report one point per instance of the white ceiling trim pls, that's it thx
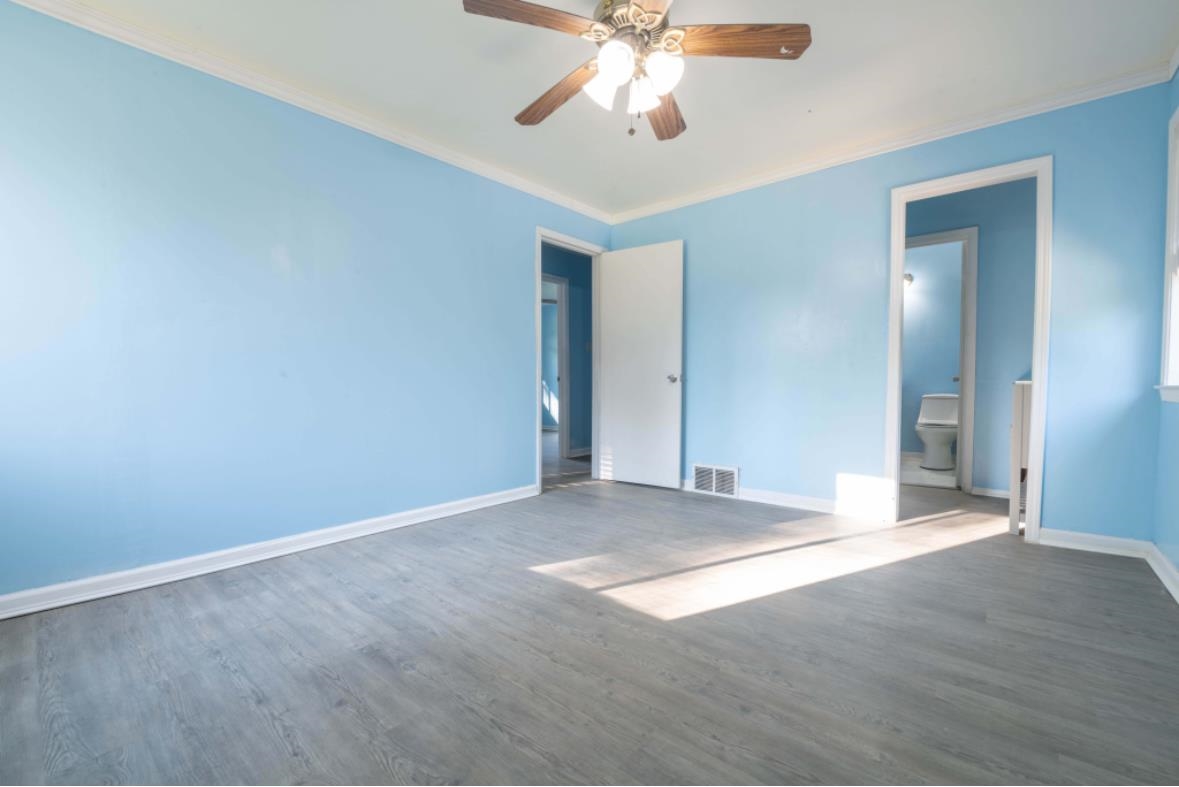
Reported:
(79, 15)
(1099, 90)
(111, 27)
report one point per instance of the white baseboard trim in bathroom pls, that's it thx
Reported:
(576, 452)
(24, 602)
(978, 490)
(1112, 545)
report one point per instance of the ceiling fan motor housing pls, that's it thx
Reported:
(628, 21)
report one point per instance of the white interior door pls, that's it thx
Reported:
(640, 315)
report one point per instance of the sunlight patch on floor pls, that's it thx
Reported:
(674, 583)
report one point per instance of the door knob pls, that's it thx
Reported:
(671, 378)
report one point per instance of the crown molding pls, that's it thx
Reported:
(75, 13)
(79, 15)
(1070, 98)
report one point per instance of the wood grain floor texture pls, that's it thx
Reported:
(602, 633)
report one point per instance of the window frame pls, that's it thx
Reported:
(1169, 372)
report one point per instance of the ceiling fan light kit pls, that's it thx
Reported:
(602, 91)
(642, 96)
(636, 44)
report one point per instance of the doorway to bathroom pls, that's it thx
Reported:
(937, 378)
(968, 336)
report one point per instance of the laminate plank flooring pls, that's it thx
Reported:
(604, 633)
(556, 470)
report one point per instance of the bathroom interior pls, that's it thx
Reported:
(967, 341)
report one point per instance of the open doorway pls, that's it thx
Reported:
(938, 358)
(974, 270)
(566, 379)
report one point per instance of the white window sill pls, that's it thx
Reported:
(1169, 393)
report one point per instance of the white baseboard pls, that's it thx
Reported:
(822, 505)
(774, 498)
(576, 452)
(1167, 572)
(1112, 545)
(1003, 493)
(1090, 542)
(37, 599)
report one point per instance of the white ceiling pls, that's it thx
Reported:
(878, 73)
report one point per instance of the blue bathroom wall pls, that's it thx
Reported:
(225, 320)
(786, 311)
(932, 331)
(578, 270)
(1006, 219)
(550, 405)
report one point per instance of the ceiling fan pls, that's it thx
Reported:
(638, 45)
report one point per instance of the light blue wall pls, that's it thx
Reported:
(224, 319)
(1166, 533)
(1166, 528)
(549, 364)
(1006, 218)
(577, 269)
(786, 311)
(932, 331)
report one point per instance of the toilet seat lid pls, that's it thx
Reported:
(938, 410)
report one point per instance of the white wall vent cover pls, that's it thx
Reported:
(714, 480)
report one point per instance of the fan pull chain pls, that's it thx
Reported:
(631, 132)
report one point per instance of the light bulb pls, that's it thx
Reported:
(602, 91)
(642, 96)
(665, 71)
(616, 62)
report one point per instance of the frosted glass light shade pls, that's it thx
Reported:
(642, 96)
(665, 71)
(616, 62)
(602, 91)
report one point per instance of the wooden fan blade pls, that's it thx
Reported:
(656, 6)
(666, 120)
(529, 14)
(556, 96)
(777, 42)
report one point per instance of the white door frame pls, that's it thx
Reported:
(562, 285)
(591, 250)
(1041, 170)
(967, 352)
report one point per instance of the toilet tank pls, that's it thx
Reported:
(939, 410)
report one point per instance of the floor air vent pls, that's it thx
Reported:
(714, 480)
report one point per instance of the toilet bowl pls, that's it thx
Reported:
(937, 428)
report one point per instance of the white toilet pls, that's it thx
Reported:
(937, 426)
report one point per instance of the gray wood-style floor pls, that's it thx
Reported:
(606, 633)
(556, 470)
